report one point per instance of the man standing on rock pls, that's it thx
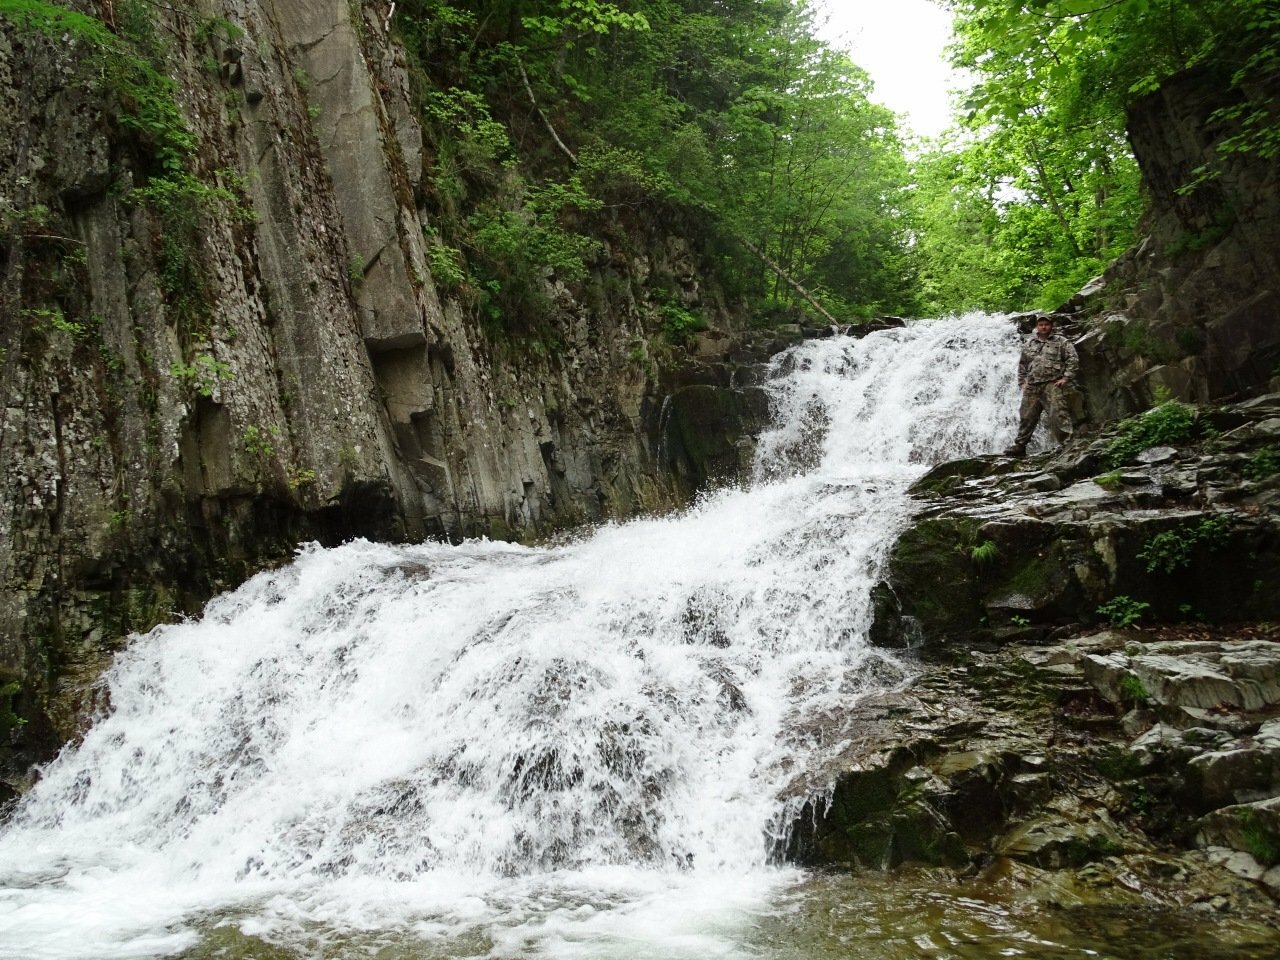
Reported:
(1046, 370)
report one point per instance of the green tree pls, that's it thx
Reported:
(728, 114)
(1047, 174)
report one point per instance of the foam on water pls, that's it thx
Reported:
(575, 750)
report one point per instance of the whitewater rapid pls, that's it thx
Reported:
(573, 750)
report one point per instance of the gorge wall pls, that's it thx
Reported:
(1192, 309)
(222, 337)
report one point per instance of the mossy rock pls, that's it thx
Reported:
(709, 429)
(947, 476)
(931, 589)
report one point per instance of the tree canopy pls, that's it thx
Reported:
(1037, 188)
(728, 113)
(733, 116)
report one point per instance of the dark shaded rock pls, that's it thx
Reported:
(1018, 762)
(1055, 842)
(1192, 308)
(711, 431)
(1182, 531)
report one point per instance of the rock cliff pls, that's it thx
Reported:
(1096, 705)
(222, 337)
(1193, 309)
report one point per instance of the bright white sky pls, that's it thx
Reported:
(898, 42)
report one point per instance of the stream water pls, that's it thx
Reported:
(498, 751)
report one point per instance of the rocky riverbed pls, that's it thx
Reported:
(1136, 767)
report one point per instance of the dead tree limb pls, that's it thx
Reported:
(534, 100)
(789, 280)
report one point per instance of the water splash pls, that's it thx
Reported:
(496, 738)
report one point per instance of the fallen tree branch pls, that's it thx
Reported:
(790, 281)
(534, 100)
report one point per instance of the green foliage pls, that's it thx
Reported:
(984, 553)
(1262, 464)
(202, 374)
(1118, 763)
(8, 718)
(573, 17)
(33, 219)
(679, 324)
(1135, 337)
(520, 246)
(1109, 480)
(56, 22)
(1132, 689)
(52, 318)
(181, 203)
(130, 70)
(300, 478)
(146, 94)
(476, 138)
(447, 267)
(1260, 842)
(258, 442)
(1037, 190)
(1123, 611)
(210, 28)
(1167, 423)
(638, 356)
(731, 117)
(1174, 549)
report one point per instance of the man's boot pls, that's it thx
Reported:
(1017, 450)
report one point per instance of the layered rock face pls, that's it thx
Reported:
(1194, 309)
(198, 378)
(1006, 550)
(1131, 765)
(1134, 768)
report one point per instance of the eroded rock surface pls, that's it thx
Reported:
(1008, 549)
(1034, 756)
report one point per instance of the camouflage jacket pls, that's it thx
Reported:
(1043, 361)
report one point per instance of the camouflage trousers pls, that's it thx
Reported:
(1035, 398)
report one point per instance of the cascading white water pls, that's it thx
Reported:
(546, 749)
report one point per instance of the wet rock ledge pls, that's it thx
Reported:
(1124, 767)
(1097, 710)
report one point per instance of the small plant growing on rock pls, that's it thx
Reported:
(1123, 611)
(1109, 480)
(201, 374)
(679, 324)
(257, 442)
(1173, 549)
(1168, 423)
(1132, 689)
(8, 718)
(984, 553)
(1265, 463)
(1258, 841)
(447, 265)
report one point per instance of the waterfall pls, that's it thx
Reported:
(525, 745)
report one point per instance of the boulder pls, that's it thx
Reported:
(1253, 828)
